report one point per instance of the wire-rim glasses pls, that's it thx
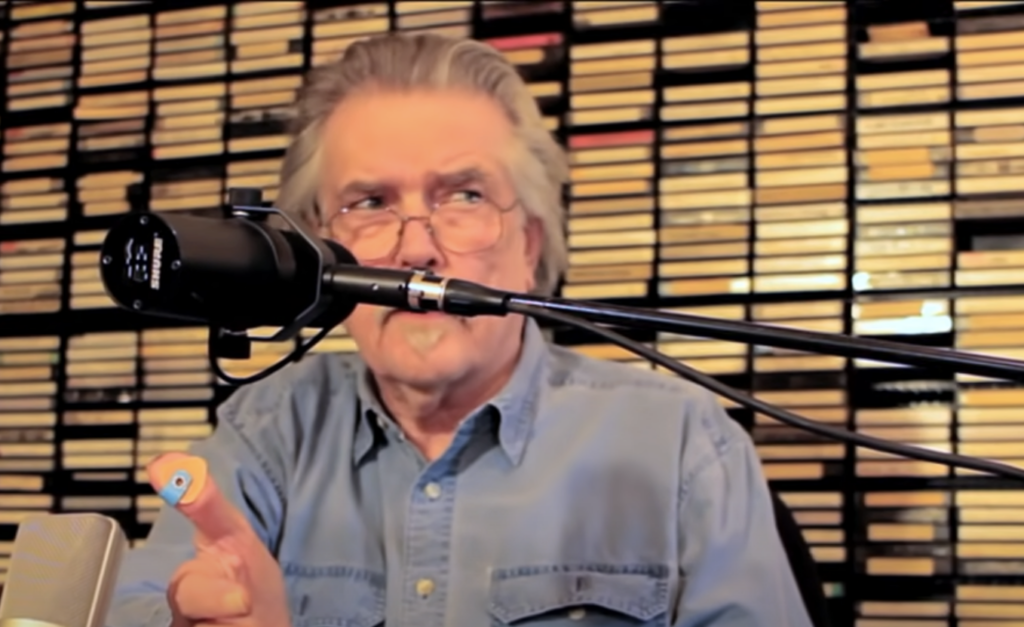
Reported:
(461, 222)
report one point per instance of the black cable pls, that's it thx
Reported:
(295, 355)
(786, 417)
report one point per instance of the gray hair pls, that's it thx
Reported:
(539, 166)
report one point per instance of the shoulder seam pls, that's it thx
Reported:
(721, 448)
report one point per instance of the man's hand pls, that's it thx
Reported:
(233, 578)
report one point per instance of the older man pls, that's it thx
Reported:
(456, 472)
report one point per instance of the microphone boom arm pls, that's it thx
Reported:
(778, 336)
(418, 290)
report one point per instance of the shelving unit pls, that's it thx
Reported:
(851, 167)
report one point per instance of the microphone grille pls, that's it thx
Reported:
(63, 569)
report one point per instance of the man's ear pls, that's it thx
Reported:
(314, 219)
(534, 244)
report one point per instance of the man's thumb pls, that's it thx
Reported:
(183, 482)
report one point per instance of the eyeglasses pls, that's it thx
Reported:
(462, 222)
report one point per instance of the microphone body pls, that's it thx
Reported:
(238, 273)
(62, 572)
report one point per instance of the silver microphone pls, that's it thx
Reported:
(62, 571)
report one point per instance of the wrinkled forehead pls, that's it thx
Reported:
(381, 127)
(415, 139)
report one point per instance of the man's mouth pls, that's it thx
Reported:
(425, 316)
(419, 314)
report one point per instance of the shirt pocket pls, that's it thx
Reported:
(580, 596)
(335, 596)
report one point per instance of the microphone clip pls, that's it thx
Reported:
(227, 344)
(245, 202)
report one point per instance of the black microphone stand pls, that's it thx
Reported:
(773, 335)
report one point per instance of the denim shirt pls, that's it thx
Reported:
(585, 493)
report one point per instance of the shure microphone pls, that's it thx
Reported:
(62, 571)
(239, 273)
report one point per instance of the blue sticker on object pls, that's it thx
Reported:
(176, 488)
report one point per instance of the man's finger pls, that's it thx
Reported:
(183, 482)
(199, 597)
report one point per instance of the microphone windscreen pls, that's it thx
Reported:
(63, 569)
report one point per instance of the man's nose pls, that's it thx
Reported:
(417, 246)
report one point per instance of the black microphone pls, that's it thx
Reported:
(239, 273)
(236, 272)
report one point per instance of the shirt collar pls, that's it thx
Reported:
(515, 406)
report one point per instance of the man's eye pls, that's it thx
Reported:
(370, 202)
(466, 196)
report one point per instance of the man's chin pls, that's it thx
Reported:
(421, 334)
(425, 362)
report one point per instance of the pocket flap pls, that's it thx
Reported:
(335, 596)
(520, 593)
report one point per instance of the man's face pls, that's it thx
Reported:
(401, 149)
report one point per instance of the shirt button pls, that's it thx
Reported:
(432, 490)
(577, 613)
(424, 587)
